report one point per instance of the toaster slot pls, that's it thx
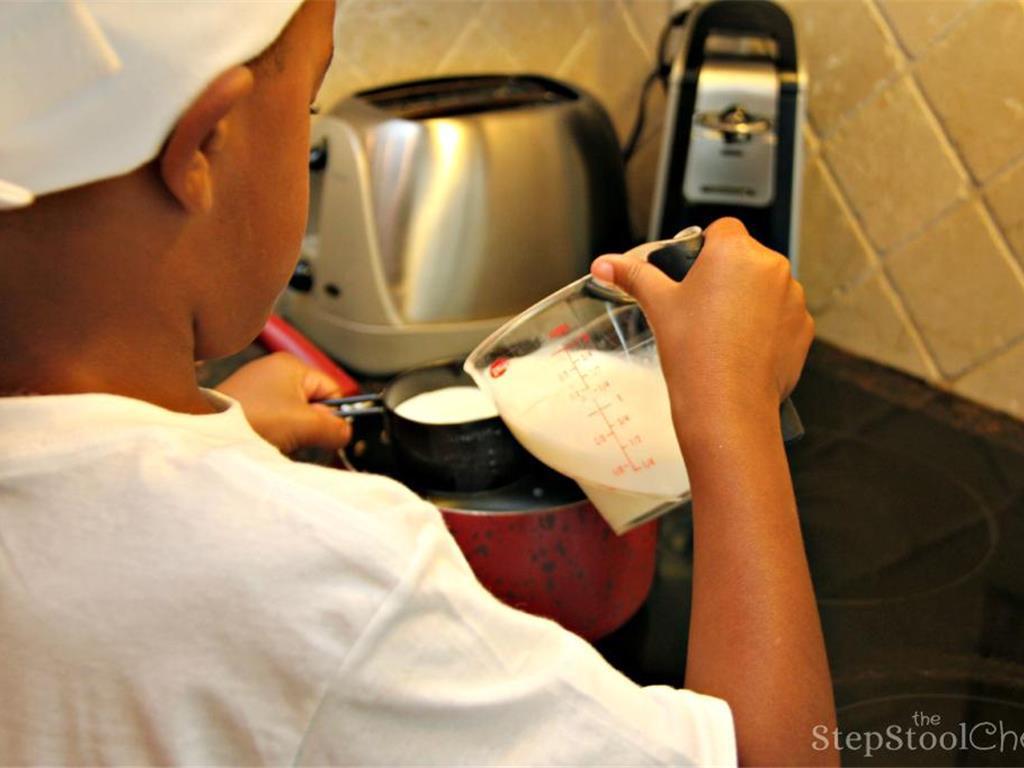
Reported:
(447, 97)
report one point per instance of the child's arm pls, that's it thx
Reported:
(755, 638)
(732, 338)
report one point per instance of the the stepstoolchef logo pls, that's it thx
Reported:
(924, 733)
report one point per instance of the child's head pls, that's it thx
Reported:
(195, 222)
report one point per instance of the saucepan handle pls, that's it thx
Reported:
(357, 405)
(675, 258)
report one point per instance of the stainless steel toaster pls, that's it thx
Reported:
(439, 208)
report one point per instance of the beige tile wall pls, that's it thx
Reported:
(913, 230)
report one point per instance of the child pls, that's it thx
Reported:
(174, 590)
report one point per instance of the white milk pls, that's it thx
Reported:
(600, 418)
(450, 405)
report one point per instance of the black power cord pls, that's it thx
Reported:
(660, 73)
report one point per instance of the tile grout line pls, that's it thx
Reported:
(988, 358)
(876, 90)
(948, 143)
(1005, 169)
(850, 213)
(929, 223)
(917, 338)
(860, 231)
(499, 43)
(939, 36)
(888, 25)
(812, 142)
(631, 26)
(877, 267)
(574, 52)
(473, 21)
(889, 33)
(359, 70)
(1001, 239)
(956, 21)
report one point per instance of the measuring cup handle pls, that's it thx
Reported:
(676, 258)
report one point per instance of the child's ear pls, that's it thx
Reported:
(197, 136)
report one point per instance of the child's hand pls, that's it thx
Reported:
(275, 392)
(732, 336)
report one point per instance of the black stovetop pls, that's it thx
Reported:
(912, 508)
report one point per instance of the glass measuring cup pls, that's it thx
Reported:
(577, 380)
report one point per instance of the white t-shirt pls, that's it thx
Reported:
(174, 590)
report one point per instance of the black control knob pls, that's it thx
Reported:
(318, 156)
(302, 277)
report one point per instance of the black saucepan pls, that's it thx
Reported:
(464, 457)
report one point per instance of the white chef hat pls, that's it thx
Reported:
(90, 89)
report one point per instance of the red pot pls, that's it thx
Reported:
(561, 562)
(554, 558)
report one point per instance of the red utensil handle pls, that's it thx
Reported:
(279, 336)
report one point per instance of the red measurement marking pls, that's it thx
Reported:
(498, 367)
(573, 358)
(558, 330)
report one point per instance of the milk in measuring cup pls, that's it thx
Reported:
(602, 418)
